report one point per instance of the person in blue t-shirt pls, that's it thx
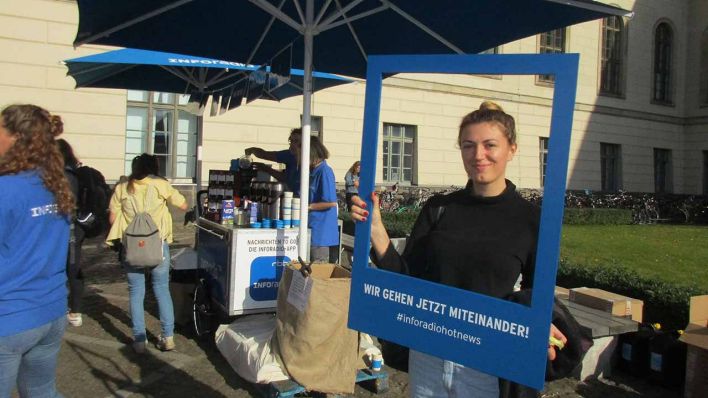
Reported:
(322, 218)
(291, 174)
(35, 207)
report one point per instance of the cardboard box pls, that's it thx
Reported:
(562, 293)
(607, 301)
(696, 338)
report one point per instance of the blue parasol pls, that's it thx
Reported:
(347, 32)
(199, 77)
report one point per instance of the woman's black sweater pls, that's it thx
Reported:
(480, 244)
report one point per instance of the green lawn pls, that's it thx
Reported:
(674, 253)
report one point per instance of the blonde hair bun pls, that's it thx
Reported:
(490, 106)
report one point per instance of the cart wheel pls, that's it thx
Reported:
(202, 315)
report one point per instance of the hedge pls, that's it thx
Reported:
(664, 302)
(398, 225)
(597, 216)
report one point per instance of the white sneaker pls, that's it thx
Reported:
(75, 319)
(166, 343)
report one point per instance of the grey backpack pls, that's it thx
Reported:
(142, 244)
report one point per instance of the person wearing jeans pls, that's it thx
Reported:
(35, 207)
(146, 191)
(30, 359)
(430, 376)
(161, 288)
(480, 239)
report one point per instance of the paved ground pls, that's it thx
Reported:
(96, 359)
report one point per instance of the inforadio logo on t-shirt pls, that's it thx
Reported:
(44, 210)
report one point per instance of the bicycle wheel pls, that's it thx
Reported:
(203, 317)
(394, 206)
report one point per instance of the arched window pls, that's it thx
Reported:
(612, 55)
(663, 47)
(703, 73)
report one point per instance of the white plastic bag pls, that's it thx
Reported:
(245, 344)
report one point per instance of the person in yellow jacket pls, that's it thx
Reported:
(144, 185)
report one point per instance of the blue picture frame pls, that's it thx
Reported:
(456, 323)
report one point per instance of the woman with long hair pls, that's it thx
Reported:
(35, 209)
(480, 238)
(351, 183)
(322, 219)
(149, 192)
(73, 261)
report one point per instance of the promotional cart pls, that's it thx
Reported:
(240, 267)
(245, 235)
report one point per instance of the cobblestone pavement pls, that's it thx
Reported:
(96, 359)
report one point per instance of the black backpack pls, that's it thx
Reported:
(92, 201)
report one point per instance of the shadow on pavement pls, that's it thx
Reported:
(618, 385)
(155, 377)
(106, 313)
(219, 363)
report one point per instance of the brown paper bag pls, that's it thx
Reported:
(315, 346)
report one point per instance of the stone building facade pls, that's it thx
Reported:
(640, 122)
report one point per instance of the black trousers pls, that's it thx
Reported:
(74, 276)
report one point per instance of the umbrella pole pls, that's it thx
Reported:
(303, 237)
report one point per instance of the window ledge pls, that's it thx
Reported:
(611, 95)
(544, 83)
(663, 103)
(495, 77)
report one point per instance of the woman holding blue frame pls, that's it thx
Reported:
(480, 238)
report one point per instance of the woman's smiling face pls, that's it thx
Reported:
(486, 150)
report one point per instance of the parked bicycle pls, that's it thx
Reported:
(646, 212)
(388, 199)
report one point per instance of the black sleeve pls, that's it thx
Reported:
(412, 261)
(530, 265)
(528, 270)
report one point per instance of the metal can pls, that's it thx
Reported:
(376, 362)
(253, 212)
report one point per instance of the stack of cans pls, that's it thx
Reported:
(295, 206)
(286, 209)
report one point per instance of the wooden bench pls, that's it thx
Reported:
(605, 329)
(600, 323)
(347, 248)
